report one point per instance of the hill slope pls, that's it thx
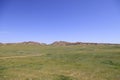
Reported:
(76, 62)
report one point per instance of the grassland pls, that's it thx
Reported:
(75, 62)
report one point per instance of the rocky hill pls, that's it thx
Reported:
(64, 43)
(57, 43)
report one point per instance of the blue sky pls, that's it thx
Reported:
(55, 20)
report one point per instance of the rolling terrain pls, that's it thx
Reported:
(59, 61)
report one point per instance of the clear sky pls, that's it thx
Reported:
(55, 20)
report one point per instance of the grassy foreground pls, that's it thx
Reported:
(78, 62)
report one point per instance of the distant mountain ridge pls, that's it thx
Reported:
(25, 43)
(64, 43)
(58, 43)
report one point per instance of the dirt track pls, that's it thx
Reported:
(10, 57)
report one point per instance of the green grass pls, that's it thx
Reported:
(82, 62)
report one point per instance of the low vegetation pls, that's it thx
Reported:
(59, 62)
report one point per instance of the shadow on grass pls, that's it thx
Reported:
(63, 77)
(110, 62)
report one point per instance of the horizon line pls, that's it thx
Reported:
(61, 41)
